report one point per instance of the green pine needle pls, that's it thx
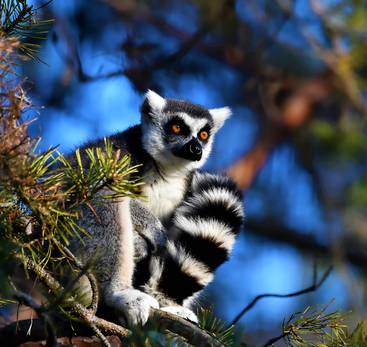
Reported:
(315, 328)
(53, 190)
(216, 327)
(18, 19)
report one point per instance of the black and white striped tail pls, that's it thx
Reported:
(205, 227)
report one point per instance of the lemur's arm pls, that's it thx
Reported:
(203, 231)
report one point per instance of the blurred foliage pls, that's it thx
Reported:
(358, 194)
(343, 136)
(339, 143)
(359, 336)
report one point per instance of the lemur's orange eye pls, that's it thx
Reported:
(203, 135)
(176, 129)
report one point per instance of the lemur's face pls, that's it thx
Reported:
(178, 133)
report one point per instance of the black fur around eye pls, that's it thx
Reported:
(176, 126)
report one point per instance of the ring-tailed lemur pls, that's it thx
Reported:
(161, 251)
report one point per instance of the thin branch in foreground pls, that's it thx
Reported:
(315, 285)
(84, 269)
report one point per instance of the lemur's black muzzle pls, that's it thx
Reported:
(191, 150)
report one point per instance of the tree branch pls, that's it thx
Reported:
(84, 270)
(315, 285)
(87, 316)
(189, 331)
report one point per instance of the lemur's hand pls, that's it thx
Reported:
(133, 306)
(182, 312)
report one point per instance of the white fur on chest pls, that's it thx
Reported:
(162, 196)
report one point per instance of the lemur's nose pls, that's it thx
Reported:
(191, 150)
(195, 148)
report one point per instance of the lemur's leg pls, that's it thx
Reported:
(202, 235)
(112, 245)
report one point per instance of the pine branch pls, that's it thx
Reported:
(313, 328)
(19, 16)
(19, 20)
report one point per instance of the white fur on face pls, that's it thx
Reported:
(195, 124)
(153, 134)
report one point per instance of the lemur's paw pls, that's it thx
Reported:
(134, 306)
(182, 312)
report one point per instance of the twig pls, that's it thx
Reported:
(315, 285)
(99, 334)
(84, 269)
(43, 5)
(275, 339)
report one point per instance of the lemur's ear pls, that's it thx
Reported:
(155, 101)
(219, 116)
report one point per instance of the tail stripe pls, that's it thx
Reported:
(206, 228)
(203, 182)
(175, 283)
(182, 275)
(204, 249)
(228, 213)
